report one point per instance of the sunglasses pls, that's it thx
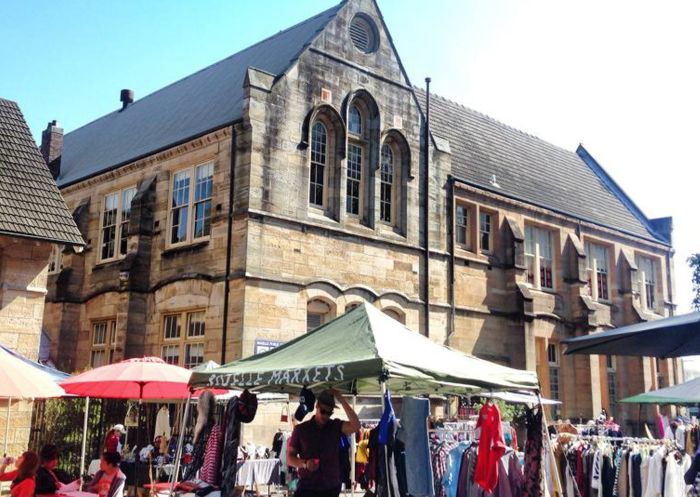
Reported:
(325, 412)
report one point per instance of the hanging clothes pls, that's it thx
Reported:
(534, 451)
(413, 433)
(492, 446)
(232, 439)
(211, 467)
(163, 422)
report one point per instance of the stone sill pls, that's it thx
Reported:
(183, 249)
(107, 265)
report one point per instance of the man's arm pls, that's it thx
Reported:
(353, 424)
(295, 461)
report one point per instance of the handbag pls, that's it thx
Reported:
(284, 417)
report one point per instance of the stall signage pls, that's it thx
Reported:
(303, 376)
(262, 345)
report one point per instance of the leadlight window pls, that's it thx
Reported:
(462, 226)
(319, 139)
(104, 342)
(354, 179)
(116, 212)
(355, 121)
(190, 208)
(387, 184)
(539, 257)
(597, 262)
(485, 232)
(184, 349)
(647, 281)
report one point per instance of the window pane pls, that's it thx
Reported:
(109, 225)
(99, 333)
(354, 173)
(171, 354)
(387, 182)
(554, 382)
(98, 358)
(204, 182)
(485, 231)
(127, 197)
(318, 164)
(195, 324)
(179, 204)
(462, 225)
(355, 121)
(313, 321)
(171, 326)
(194, 354)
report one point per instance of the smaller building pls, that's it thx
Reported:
(35, 226)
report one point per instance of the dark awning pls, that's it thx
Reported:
(675, 336)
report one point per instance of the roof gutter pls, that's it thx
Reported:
(79, 246)
(558, 211)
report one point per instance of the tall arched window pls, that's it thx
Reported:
(386, 199)
(319, 158)
(355, 121)
(357, 152)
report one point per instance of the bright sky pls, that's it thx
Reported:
(620, 77)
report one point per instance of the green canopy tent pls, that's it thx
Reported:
(357, 352)
(687, 393)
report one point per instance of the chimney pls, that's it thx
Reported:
(52, 147)
(126, 97)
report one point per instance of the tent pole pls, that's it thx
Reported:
(82, 451)
(7, 423)
(353, 450)
(180, 443)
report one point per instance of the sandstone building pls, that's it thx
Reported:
(34, 221)
(274, 190)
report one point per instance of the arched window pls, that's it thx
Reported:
(318, 312)
(387, 190)
(355, 121)
(393, 314)
(319, 158)
(352, 306)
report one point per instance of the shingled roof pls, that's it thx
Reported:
(30, 204)
(200, 103)
(530, 169)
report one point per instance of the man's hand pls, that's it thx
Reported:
(311, 465)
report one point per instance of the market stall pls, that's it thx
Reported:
(364, 352)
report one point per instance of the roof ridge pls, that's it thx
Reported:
(496, 121)
(220, 61)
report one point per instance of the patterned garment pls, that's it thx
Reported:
(534, 449)
(198, 453)
(210, 471)
(232, 424)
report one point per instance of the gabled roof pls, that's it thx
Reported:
(530, 169)
(200, 103)
(30, 204)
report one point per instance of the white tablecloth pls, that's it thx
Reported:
(260, 471)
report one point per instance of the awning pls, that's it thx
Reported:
(675, 336)
(354, 351)
(687, 393)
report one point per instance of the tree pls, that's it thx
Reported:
(694, 263)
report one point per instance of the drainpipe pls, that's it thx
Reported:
(451, 249)
(229, 242)
(426, 211)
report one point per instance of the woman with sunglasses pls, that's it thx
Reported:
(314, 444)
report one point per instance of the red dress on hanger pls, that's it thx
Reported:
(492, 446)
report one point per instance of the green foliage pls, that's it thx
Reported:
(515, 413)
(694, 263)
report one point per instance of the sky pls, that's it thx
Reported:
(620, 77)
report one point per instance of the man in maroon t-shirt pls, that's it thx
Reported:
(315, 444)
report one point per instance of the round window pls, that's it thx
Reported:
(363, 34)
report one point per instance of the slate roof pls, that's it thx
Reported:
(30, 203)
(202, 102)
(530, 169)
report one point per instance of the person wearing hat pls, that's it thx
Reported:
(112, 440)
(314, 444)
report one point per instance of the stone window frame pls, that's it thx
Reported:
(334, 125)
(107, 345)
(605, 276)
(190, 204)
(55, 259)
(361, 142)
(314, 308)
(473, 242)
(650, 300)
(120, 225)
(185, 340)
(534, 277)
(395, 313)
(493, 225)
(401, 175)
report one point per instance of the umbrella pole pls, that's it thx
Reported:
(82, 451)
(7, 423)
(180, 443)
(353, 449)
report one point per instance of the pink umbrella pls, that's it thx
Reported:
(143, 378)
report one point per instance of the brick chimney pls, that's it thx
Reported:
(52, 147)
(126, 97)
